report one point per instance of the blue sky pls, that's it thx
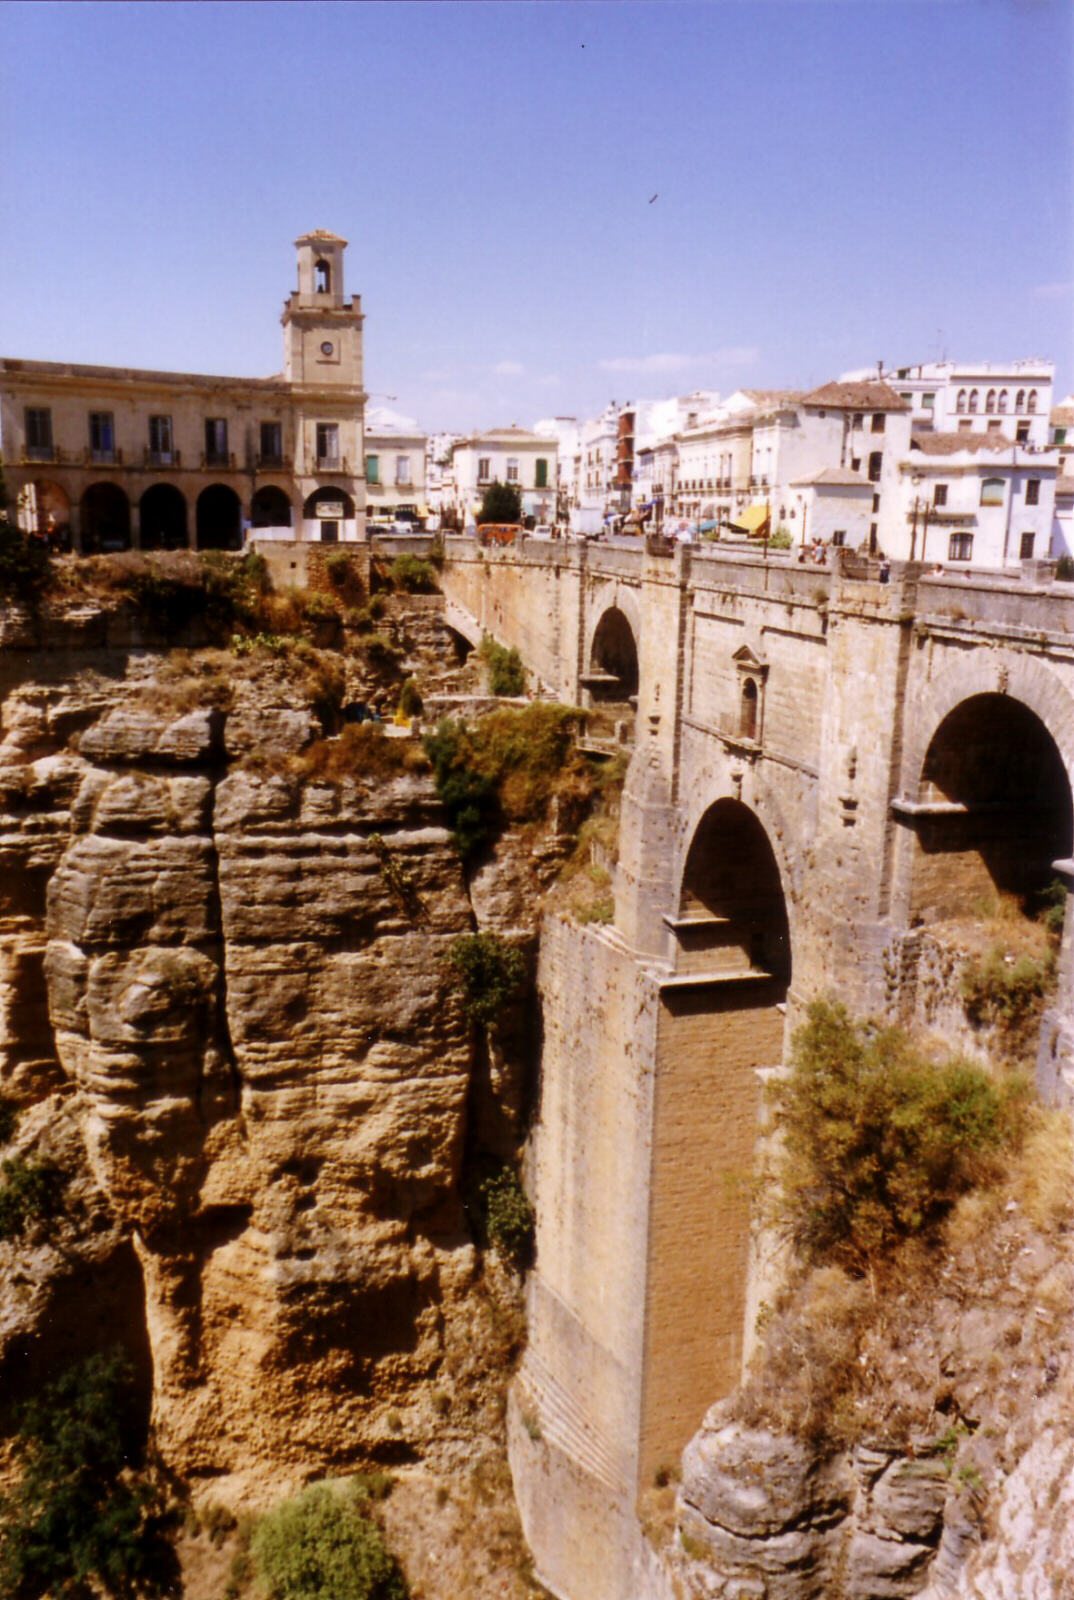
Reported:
(835, 183)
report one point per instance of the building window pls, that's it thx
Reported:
(993, 427)
(960, 403)
(322, 277)
(1022, 433)
(540, 480)
(512, 469)
(875, 460)
(1020, 400)
(1060, 436)
(876, 502)
(747, 710)
(160, 441)
(990, 402)
(271, 444)
(402, 470)
(1003, 398)
(992, 492)
(1025, 549)
(939, 495)
(484, 469)
(974, 400)
(1031, 403)
(960, 547)
(855, 463)
(328, 444)
(102, 436)
(39, 433)
(928, 402)
(839, 537)
(965, 427)
(857, 420)
(372, 469)
(1032, 491)
(216, 441)
(877, 425)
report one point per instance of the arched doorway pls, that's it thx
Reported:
(994, 810)
(720, 1025)
(162, 518)
(219, 518)
(106, 519)
(270, 508)
(329, 509)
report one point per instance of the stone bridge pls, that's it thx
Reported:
(823, 766)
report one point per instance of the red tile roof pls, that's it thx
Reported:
(869, 396)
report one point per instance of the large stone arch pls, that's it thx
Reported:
(219, 518)
(1038, 687)
(162, 518)
(732, 906)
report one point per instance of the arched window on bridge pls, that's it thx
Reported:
(747, 714)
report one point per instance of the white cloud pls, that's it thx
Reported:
(549, 380)
(1052, 291)
(509, 369)
(384, 417)
(734, 355)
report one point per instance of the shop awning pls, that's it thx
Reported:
(751, 519)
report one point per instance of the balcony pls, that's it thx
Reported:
(41, 452)
(102, 458)
(219, 458)
(331, 463)
(273, 462)
(163, 458)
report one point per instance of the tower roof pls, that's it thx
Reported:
(321, 236)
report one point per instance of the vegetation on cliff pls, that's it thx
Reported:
(324, 1545)
(86, 1517)
(508, 767)
(877, 1141)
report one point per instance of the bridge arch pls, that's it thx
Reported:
(613, 645)
(732, 915)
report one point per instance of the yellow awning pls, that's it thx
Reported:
(751, 519)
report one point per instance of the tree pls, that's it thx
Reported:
(323, 1546)
(501, 502)
(83, 1520)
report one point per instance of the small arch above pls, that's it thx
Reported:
(322, 277)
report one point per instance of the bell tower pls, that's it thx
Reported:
(322, 331)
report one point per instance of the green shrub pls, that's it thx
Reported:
(507, 675)
(25, 568)
(410, 702)
(501, 502)
(878, 1143)
(998, 993)
(507, 1215)
(30, 1191)
(411, 575)
(84, 1518)
(9, 1116)
(781, 539)
(507, 767)
(488, 973)
(322, 1545)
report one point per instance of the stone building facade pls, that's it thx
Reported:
(114, 458)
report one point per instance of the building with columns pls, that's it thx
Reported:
(117, 458)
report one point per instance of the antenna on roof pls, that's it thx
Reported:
(880, 369)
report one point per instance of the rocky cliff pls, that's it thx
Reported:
(230, 1024)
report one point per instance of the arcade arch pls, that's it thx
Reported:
(105, 518)
(270, 508)
(162, 518)
(994, 809)
(219, 519)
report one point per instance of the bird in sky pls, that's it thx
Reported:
(656, 196)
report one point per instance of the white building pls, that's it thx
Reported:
(1012, 398)
(972, 499)
(567, 433)
(1061, 436)
(394, 470)
(505, 455)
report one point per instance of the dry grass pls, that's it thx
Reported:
(361, 752)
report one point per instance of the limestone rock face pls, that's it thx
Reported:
(236, 978)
